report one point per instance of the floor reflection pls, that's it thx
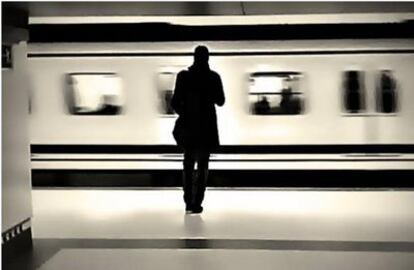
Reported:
(194, 225)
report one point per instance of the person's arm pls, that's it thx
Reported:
(219, 98)
(177, 101)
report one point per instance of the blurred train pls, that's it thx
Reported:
(330, 106)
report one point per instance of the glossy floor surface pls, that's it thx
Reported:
(107, 259)
(229, 214)
(239, 229)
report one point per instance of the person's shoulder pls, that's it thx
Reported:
(182, 72)
(214, 74)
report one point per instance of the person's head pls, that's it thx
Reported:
(201, 55)
(287, 93)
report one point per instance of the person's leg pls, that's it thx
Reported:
(202, 176)
(189, 161)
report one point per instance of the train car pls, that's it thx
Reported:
(301, 109)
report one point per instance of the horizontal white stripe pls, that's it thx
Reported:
(222, 46)
(231, 20)
(258, 157)
(217, 165)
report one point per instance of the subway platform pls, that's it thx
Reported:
(314, 110)
(239, 229)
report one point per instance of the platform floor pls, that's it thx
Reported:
(229, 214)
(240, 229)
(108, 259)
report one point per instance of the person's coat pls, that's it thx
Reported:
(197, 91)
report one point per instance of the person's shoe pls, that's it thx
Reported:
(188, 209)
(197, 210)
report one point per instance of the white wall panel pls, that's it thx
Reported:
(16, 181)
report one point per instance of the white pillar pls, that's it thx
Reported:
(16, 181)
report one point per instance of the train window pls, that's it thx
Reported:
(94, 94)
(275, 93)
(166, 83)
(386, 92)
(354, 91)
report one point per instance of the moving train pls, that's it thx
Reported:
(299, 112)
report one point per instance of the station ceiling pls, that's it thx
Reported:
(43, 9)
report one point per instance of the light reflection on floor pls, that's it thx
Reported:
(229, 214)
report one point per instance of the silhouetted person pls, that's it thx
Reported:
(262, 106)
(197, 91)
(352, 92)
(289, 104)
(167, 102)
(387, 93)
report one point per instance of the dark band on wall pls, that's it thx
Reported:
(231, 53)
(162, 32)
(225, 149)
(227, 178)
